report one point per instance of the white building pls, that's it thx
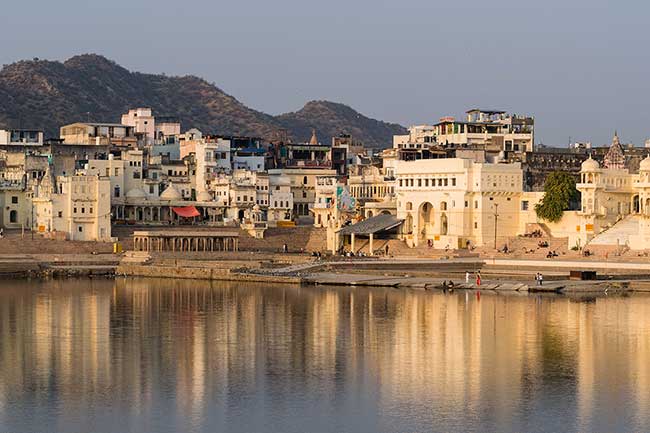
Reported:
(80, 207)
(21, 137)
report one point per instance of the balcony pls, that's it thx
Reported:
(314, 163)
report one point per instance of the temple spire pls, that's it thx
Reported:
(313, 139)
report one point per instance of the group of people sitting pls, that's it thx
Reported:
(551, 254)
(534, 234)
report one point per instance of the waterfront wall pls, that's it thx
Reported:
(200, 273)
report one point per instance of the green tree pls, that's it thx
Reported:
(559, 192)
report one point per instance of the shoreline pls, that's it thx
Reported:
(499, 275)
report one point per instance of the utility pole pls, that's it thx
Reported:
(496, 219)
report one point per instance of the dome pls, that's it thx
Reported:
(645, 164)
(136, 193)
(171, 193)
(589, 165)
(204, 196)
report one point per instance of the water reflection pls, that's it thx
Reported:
(166, 355)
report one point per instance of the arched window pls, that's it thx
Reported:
(13, 216)
(304, 180)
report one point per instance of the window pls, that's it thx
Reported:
(304, 180)
(419, 182)
(304, 194)
(74, 210)
(466, 203)
(117, 172)
(80, 229)
(475, 204)
(475, 225)
(491, 198)
(60, 214)
(83, 210)
(117, 191)
(90, 210)
(150, 189)
(524, 205)
(14, 199)
(13, 216)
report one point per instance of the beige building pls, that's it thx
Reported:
(615, 207)
(302, 182)
(114, 134)
(80, 207)
(457, 202)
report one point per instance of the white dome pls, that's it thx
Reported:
(204, 196)
(645, 164)
(136, 193)
(171, 193)
(590, 165)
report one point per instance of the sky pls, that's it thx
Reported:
(580, 67)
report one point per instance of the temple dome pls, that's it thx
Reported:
(645, 164)
(171, 193)
(136, 193)
(204, 196)
(589, 164)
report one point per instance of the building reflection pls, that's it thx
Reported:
(207, 350)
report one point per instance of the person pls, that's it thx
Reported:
(2, 233)
(285, 249)
(466, 277)
(537, 278)
(541, 279)
(478, 278)
(386, 249)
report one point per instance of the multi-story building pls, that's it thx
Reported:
(21, 137)
(492, 130)
(456, 202)
(112, 134)
(280, 200)
(79, 206)
(160, 134)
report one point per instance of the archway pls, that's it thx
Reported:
(425, 221)
(443, 224)
(13, 216)
(636, 205)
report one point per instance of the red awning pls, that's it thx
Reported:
(186, 212)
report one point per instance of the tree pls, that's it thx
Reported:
(559, 191)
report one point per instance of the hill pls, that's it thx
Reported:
(47, 94)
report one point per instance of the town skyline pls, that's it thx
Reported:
(401, 63)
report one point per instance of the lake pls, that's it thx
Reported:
(147, 355)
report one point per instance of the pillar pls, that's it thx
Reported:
(371, 240)
(352, 242)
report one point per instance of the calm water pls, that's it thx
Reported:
(183, 356)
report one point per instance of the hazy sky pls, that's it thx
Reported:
(581, 67)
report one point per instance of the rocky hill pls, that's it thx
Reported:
(46, 94)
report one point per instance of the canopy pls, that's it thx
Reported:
(372, 225)
(186, 212)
